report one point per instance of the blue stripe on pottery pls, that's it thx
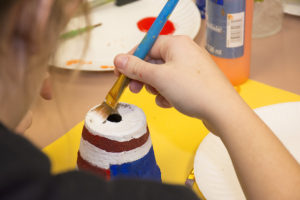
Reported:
(144, 168)
(220, 2)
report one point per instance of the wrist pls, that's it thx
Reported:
(227, 116)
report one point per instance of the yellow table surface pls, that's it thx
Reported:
(175, 136)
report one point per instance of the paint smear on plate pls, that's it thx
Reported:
(145, 24)
(107, 67)
(82, 62)
(75, 61)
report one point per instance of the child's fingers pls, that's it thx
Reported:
(155, 61)
(116, 72)
(159, 49)
(135, 86)
(151, 90)
(156, 52)
(131, 52)
(166, 45)
(162, 102)
(138, 69)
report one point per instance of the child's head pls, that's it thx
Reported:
(28, 36)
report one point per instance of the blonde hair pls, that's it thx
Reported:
(29, 35)
(30, 29)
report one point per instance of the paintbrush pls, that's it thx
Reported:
(113, 96)
(189, 182)
(74, 33)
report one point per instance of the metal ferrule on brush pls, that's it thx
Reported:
(115, 92)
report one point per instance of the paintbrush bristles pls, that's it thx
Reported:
(104, 110)
(112, 98)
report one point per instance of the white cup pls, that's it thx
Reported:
(267, 18)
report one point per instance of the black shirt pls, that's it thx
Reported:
(25, 174)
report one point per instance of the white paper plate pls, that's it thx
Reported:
(292, 8)
(215, 175)
(119, 32)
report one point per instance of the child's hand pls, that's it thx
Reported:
(189, 80)
(181, 74)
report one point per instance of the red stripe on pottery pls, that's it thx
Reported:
(86, 166)
(112, 145)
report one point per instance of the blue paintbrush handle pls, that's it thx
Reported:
(148, 41)
(116, 91)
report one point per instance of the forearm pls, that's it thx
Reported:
(190, 81)
(264, 167)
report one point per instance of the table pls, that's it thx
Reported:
(275, 61)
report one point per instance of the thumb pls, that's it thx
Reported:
(135, 68)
